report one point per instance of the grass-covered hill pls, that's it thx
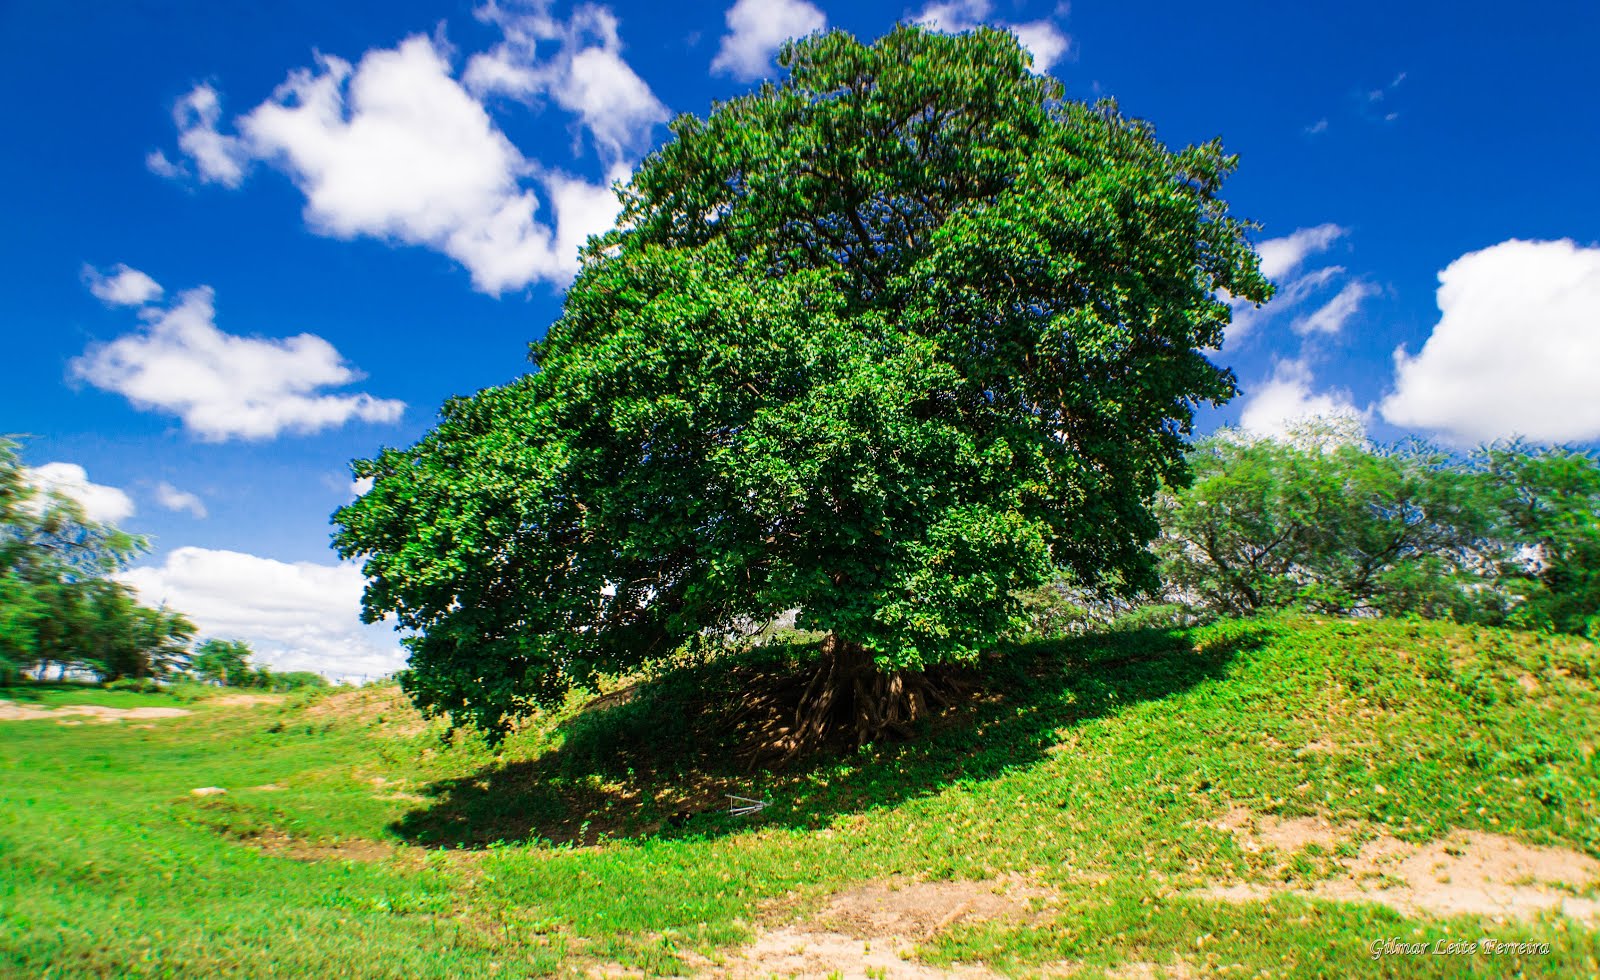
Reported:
(1273, 797)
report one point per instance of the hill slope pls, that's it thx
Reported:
(1283, 795)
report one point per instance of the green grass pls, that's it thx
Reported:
(53, 694)
(1090, 766)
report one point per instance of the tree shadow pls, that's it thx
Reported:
(661, 759)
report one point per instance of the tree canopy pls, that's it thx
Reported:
(888, 341)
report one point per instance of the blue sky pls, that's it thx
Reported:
(252, 241)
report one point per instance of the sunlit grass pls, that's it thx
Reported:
(353, 841)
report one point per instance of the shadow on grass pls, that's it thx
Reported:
(660, 761)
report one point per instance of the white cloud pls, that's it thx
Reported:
(1281, 259)
(1040, 38)
(106, 505)
(1320, 126)
(756, 29)
(225, 386)
(124, 287)
(219, 159)
(1044, 41)
(395, 148)
(1247, 316)
(174, 499)
(1331, 316)
(359, 488)
(296, 616)
(1282, 256)
(1286, 401)
(158, 163)
(1514, 351)
(585, 74)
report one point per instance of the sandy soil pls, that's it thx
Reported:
(1466, 873)
(11, 711)
(245, 700)
(876, 927)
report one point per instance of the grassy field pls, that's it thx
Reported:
(1151, 803)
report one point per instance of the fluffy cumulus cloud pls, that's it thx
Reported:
(295, 616)
(396, 147)
(756, 29)
(1514, 351)
(224, 386)
(174, 499)
(577, 63)
(1041, 38)
(1287, 400)
(123, 287)
(101, 503)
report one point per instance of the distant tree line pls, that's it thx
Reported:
(1327, 521)
(227, 662)
(60, 608)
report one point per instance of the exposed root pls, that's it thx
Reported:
(849, 697)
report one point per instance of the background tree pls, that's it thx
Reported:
(1550, 502)
(57, 605)
(225, 662)
(889, 341)
(1329, 522)
(131, 640)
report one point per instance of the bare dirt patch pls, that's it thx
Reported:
(873, 930)
(245, 700)
(1318, 745)
(386, 706)
(922, 909)
(340, 703)
(1178, 969)
(297, 849)
(11, 711)
(1256, 832)
(1466, 873)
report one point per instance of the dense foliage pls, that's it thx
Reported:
(57, 605)
(890, 341)
(1329, 522)
(1549, 502)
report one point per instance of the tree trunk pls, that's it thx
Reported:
(849, 694)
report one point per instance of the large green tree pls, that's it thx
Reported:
(888, 341)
